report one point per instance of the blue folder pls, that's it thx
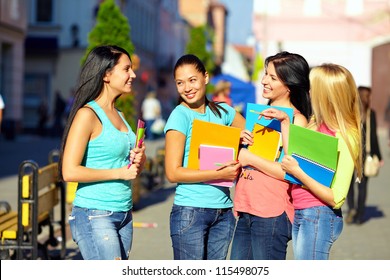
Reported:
(318, 172)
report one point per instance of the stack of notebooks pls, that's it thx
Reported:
(315, 152)
(211, 146)
(212, 157)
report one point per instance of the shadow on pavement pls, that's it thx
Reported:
(372, 212)
(154, 197)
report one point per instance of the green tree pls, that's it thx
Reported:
(200, 44)
(112, 28)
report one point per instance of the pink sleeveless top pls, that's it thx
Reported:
(258, 194)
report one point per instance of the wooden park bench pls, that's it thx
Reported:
(39, 192)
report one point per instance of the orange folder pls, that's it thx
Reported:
(208, 133)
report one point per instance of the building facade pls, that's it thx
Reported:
(346, 32)
(58, 36)
(13, 27)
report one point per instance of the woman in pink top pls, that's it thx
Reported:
(318, 220)
(263, 203)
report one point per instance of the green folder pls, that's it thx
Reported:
(317, 148)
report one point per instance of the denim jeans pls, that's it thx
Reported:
(257, 238)
(315, 229)
(101, 234)
(201, 233)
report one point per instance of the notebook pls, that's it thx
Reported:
(212, 157)
(139, 138)
(318, 172)
(267, 142)
(252, 118)
(253, 112)
(208, 133)
(317, 152)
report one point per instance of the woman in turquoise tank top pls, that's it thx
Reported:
(97, 148)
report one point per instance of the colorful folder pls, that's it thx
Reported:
(253, 112)
(266, 142)
(253, 122)
(208, 133)
(316, 153)
(140, 136)
(212, 157)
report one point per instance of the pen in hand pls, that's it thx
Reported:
(222, 165)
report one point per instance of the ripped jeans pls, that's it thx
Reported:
(101, 234)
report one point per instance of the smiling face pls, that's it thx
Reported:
(120, 77)
(191, 85)
(274, 89)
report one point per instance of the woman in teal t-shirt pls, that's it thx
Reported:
(201, 221)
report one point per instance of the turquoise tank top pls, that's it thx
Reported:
(111, 149)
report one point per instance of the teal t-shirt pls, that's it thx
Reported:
(199, 194)
(111, 149)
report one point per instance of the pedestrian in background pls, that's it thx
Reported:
(151, 111)
(59, 109)
(356, 208)
(318, 220)
(201, 220)
(97, 149)
(222, 92)
(263, 203)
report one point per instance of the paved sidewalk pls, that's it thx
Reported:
(369, 241)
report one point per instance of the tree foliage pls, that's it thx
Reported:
(112, 28)
(200, 44)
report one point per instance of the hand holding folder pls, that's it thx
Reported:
(140, 137)
(267, 141)
(315, 152)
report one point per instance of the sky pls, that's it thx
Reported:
(239, 20)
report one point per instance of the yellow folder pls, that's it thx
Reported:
(266, 142)
(208, 133)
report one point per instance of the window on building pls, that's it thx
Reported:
(44, 11)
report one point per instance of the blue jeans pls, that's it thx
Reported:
(201, 233)
(258, 238)
(101, 234)
(149, 135)
(315, 229)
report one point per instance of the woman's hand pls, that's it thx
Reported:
(246, 137)
(273, 113)
(229, 170)
(138, 156)
(290, 165)
(129, 172)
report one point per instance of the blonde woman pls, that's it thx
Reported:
(318, 219)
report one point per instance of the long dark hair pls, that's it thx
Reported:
(293, 70)
(100, 60)
(190, 59)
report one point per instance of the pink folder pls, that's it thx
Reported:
(212, 157)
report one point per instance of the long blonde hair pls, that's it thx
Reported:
(335, 101)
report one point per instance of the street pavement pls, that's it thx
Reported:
(151, 240)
